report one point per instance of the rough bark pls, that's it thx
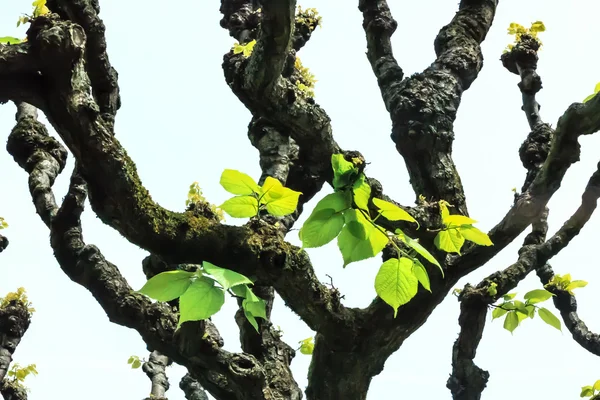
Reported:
(64, 71)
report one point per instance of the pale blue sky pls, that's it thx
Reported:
(181, 123)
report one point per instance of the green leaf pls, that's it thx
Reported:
(511, 321)
(395, 282)
(202, 300)
(492, 289)
(498, 312)
(136, 364)
(245, 292)
(307, 346)
(576, 284)
(358, 230)
(237, 182)
(279, 200)
(321, 228)
(449, 241)
(537, 296)
(241, 206)
(530, 310)
(508, 305)
(597, 385)
(548, 317)
(338, 201)
(10, 40)
(457, 220)
(226, 277)
(520, 308)
(421, 273)
(392, 212)
(344, 172)
(475, 235)
(415, 245)
(254, 309)
(362, 193)
(521, 316)
(509, 296)
(591, 96)
(587, 391)
(355, 249)
(444, 209)
(168, 285)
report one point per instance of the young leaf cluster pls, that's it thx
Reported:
(18, 296)
(3, 223)
(306, 83)
(17, 374)
(195, 196)
(457, 229)
(345, 215)
(564, 282)
(244, 49)
(516, 311)
(591, 391)
(591, 96)
(307, 346)
(309, 17)
(251, 198)
(39, 8)
(135, 362)
(519, 30)
(202, 293)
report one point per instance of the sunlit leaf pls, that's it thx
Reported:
(168, 285)
(475, 235)
(392, 212)
(537, 296)
(548, 317)
(449, 241)
(239, 183)
(511, 321)
(279, 200)
(321, 228)
(200, 301)
(395, 282)
(241, 206)
(226, 277)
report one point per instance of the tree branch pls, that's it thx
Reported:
(379, 26)
(155, 369)
(273, 44)
(103, 77)
(423, 107)
(14, 322)
(191, 388)
(567, 305)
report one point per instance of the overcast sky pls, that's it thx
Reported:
(181, 123)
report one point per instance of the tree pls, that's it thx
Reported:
(63, 71)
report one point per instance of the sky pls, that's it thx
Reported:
(181, 123)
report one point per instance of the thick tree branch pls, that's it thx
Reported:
(196, 345)
(124, 203)
(272, 47)
(102, 75)
(192, 389)
(465, 381)
(19, 77)
(379, 25)
(423, 107)
(14, 321)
